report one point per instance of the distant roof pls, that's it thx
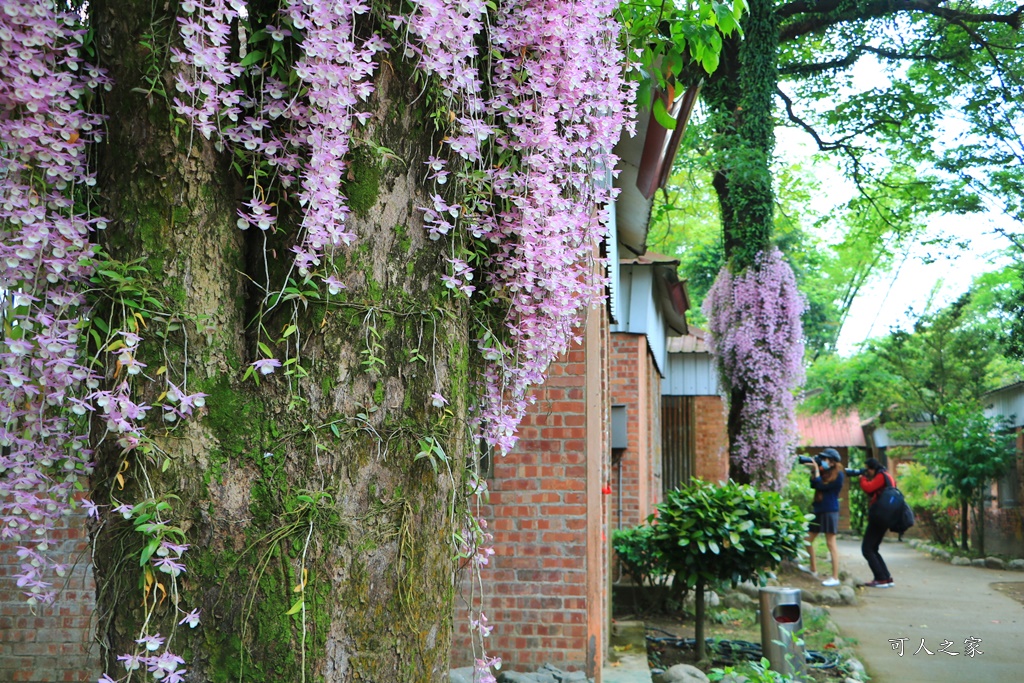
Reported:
(830, 430)
(694, 342)
(1014, 385)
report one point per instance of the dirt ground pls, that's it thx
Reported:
(1015, 589)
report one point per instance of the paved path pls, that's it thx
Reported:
(937, 602)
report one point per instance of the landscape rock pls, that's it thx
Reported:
(738, 600)
(546, 674)
(829, 597)
(748, 589)
(943, 553)
(995, 563)
(711, 599)
(848, 595)
(461, 675)
(1016, 565)
(961, 561)
(683, 673)
(978, 562)
(517, 677)
(856, 669)
(808, 611)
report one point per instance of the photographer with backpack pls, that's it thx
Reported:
(875, 480)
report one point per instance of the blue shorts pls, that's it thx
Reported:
(825, 523)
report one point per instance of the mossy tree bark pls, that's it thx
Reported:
(740, 96)
(315, 473)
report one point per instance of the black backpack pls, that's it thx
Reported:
(891, 510)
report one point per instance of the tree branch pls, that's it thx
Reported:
(855, 54)
(839, 145)
(826, 13)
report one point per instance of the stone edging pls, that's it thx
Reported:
(961, 561)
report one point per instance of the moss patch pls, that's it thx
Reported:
(363, 186)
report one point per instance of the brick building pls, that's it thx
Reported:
(695, 437)
(545, 512)
(1004, 514)
(50, 643)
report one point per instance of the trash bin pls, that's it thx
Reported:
(781, 623)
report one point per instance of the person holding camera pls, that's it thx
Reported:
(827, 481)
(874, 479)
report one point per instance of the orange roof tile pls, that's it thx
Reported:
(830, 430)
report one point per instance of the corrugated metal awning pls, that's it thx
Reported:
(694, 342)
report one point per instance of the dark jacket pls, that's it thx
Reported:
(829, 498)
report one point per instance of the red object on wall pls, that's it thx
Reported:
(607, 489)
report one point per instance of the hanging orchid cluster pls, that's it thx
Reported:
(45, 257)
(542, 142)
(51, 391)
(757, 341)
(278, 130)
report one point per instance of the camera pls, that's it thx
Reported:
(854, 472)
(807, 460)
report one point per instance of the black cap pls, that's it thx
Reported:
(831, 454)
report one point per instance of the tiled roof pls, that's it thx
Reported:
(830, 430)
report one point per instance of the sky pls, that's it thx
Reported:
(927, 278)
(885, 302)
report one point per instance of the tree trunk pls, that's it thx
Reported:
(965, 522)
(298, 492)
(979, 520)
(741, 97)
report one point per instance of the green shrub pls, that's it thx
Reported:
(729, 532)
(752, 672)
(797, 489)
(640, 556)
(708, 533)
(934, 509)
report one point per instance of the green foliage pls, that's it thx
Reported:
(678, 43)
(730, 532)
(934, 509)
(951, 356)
(754, 672)
(967, 451)
(640, 555)
(797, 489)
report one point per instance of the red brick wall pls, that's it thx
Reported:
(50, 643)
(536, 584)
(636, 383)
(711, 457)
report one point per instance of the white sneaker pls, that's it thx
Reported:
(830, 582)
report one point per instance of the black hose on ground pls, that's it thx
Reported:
(738, 650)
